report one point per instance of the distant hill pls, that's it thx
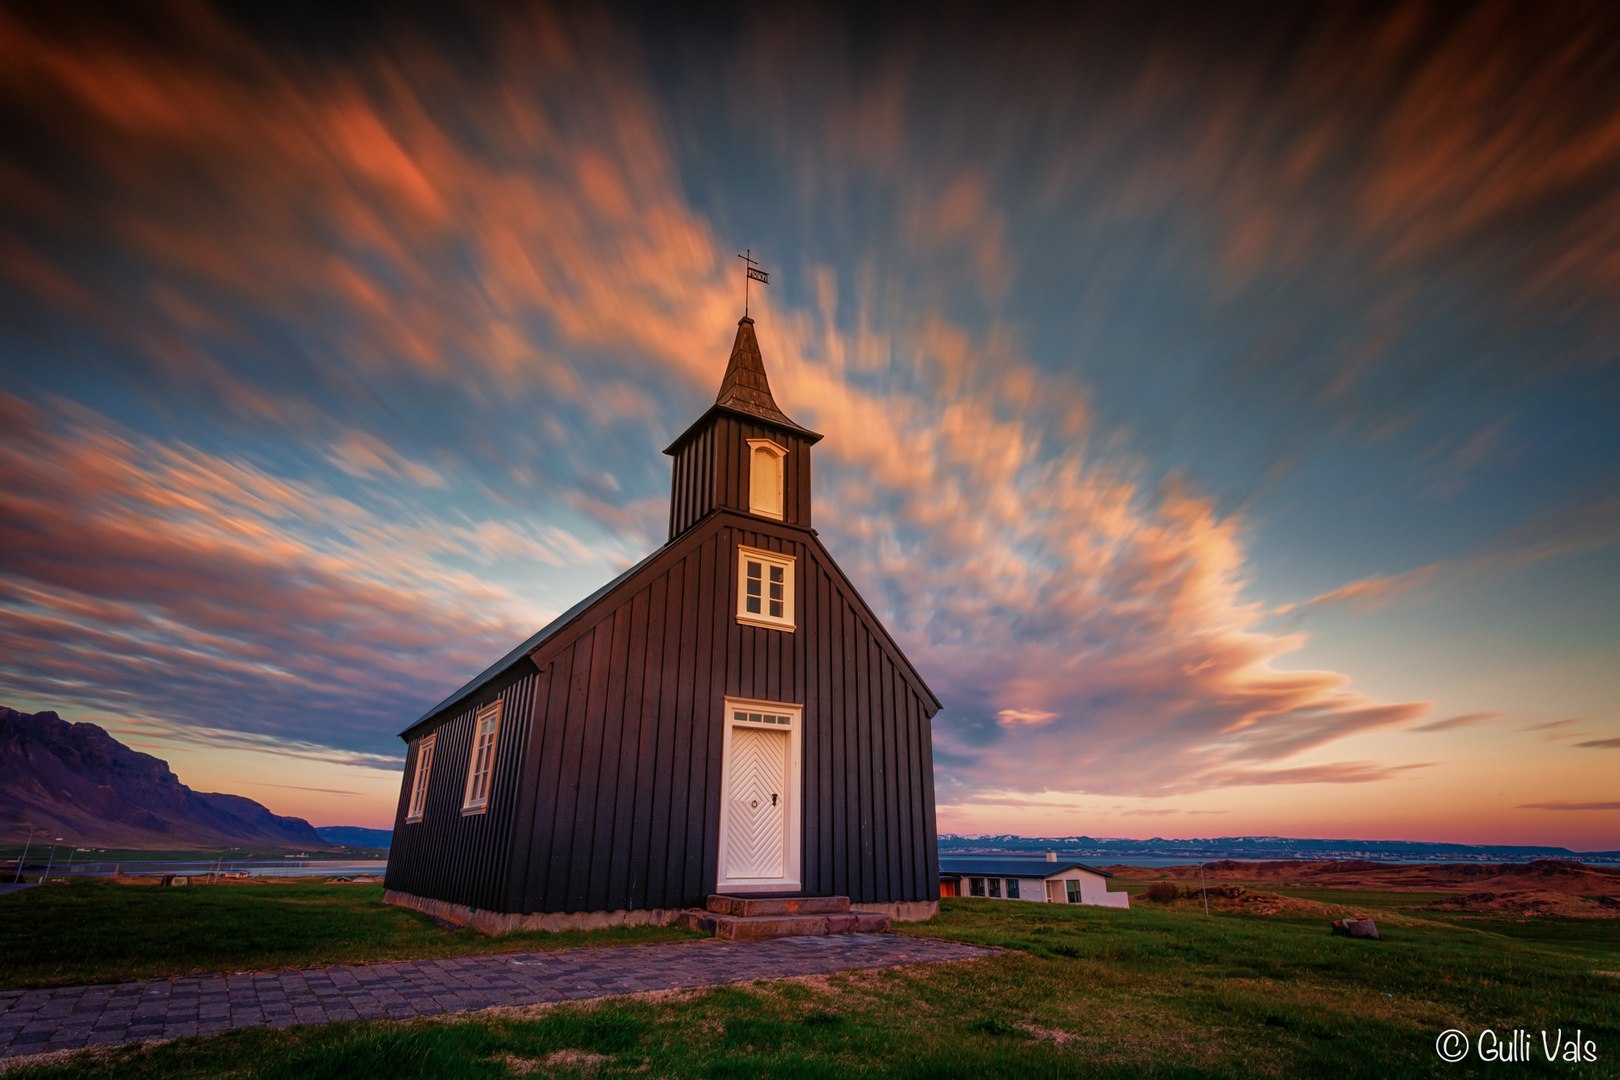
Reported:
(355, 836)
(78, 782)
(1263, 848)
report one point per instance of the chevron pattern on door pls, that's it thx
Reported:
(756, 824)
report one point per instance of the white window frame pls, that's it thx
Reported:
(767, 559)
(779, 453)
(475, 800)
(419, 782)
(792, 852)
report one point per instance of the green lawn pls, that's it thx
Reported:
(93, 931)
(1082, 992)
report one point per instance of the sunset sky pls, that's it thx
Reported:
(1220, 404)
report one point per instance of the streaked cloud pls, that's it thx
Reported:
(296, 787)
(1024, 717)
(1590, 525)
(1461, 720)
(150, 576)
(339, 370)
(1557, 730)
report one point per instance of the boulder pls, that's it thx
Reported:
(1362, 928)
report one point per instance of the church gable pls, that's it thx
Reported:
(632, 711)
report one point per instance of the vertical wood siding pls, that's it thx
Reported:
(711, 473)
(448, 856)
(627, 757)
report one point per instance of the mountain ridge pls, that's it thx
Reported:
(75, 780)
(1261, 848)
(356, 836)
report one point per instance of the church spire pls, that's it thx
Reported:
(743, 455)
(745, 387)
(745, 394)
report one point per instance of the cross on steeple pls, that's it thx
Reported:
(753, 273)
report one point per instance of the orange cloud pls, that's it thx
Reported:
(1019, 566)
(1464, 720)
(152, 577)
(354, 194)
(1024, 717)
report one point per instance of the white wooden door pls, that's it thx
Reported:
(757, 801)
(761, 819)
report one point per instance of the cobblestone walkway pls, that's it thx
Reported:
(67, 1018)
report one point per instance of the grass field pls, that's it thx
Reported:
(1082, 992)
(93, 931)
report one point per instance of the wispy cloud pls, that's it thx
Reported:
(1588, 525)
(1024, 717)
(1557, 730)
(1462, 720)
(297, 787)
(1570, 806)
(153, 578)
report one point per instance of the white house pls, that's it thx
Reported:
(1011, 877)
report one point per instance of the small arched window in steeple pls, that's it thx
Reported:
(765, 475)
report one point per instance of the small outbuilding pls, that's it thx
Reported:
(726, 716)
(1009, 877)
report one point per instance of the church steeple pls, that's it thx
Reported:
(716, 456)
(745, 386)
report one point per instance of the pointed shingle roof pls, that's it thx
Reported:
(745, 388)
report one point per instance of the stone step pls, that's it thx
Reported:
(761, 927)
(747, 907)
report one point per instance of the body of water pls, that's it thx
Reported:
(250, 867)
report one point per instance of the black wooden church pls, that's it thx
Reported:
(727, 716)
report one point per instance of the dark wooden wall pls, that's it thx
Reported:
(446, 856)
(613, 787)
(711, 472)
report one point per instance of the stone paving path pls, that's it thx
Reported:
(67, 1018)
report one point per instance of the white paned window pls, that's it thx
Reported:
(765, 462)
(486, 729)
(424, 767)
(765, 589)
(761, 718)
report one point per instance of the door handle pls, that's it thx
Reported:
(773, 798)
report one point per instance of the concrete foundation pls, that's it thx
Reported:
(903, 911)
(495, 922)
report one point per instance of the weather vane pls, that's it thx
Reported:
(754, 274)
